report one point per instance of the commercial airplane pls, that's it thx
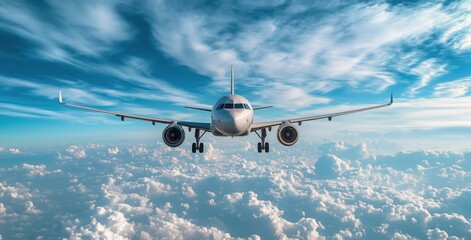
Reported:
(232, 115)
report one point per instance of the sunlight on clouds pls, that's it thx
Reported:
(245, 195)
(452, 89)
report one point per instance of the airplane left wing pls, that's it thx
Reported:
(260, 125)
(196, 125)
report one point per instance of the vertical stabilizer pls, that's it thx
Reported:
(232, 79)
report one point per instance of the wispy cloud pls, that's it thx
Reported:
(457, 88)
(90, 97)
(426, 70)
(136, 71)
(78, 32)
(458, 34)
(358, 46)
(48, 91)
(403, 116)
(27, 111)
(76, 29)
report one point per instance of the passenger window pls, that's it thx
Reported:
(239, 106)
(229, 106)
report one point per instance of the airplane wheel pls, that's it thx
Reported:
(267, 147)
(259, 147)
(201, 147)
(193, 147)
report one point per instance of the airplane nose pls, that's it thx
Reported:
(231, 125)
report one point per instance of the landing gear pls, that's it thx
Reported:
(262, 145)
(201, 147)
(198, 146)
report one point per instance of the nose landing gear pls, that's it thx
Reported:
(262, 145)
(198, 146)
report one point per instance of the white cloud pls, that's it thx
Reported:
(427, 70)
(436, 233)
(167, 225)
(330, 166)
(113, 151)
(155, 187)
(52, 92)
(354, 47)
(78, 29)
(2, 209)
(458, 34)
(14, 151)
(212, 153)
(456, 88)
(76, 151)
(402, 117)
(30, 208)
(280, 195)
(35, 169)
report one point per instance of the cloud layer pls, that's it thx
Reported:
(330, 190)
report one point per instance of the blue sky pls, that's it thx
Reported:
(152, 58)
(401, 172)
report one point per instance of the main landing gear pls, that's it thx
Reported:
(198, 146)
(262, 145)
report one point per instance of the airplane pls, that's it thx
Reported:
(232, 115)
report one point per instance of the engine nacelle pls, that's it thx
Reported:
(287, 134)
(173, 135)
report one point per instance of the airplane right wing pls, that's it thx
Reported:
(196, 125)
(261, 125)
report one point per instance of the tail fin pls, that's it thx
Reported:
(232, 79)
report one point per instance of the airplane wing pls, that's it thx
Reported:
(260, 125)
(196, 125)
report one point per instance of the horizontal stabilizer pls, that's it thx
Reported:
(259, 108)
(201, 109)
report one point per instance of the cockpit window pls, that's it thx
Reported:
(246, 106)
(239, 106)
(220, 106)
(228, 106)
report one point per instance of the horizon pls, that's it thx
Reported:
(398, 172)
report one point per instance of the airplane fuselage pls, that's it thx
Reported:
(232, 115)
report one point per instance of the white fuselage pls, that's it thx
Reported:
(232, 115)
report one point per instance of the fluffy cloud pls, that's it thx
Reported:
(77, 152)
(14, 150)
(330, 166)
(113, 150)
(332, 190)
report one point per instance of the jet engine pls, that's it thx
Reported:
(287, 134)
(173, 135)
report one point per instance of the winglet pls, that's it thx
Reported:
(392, 99)
(232, 79)
(60, 97)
